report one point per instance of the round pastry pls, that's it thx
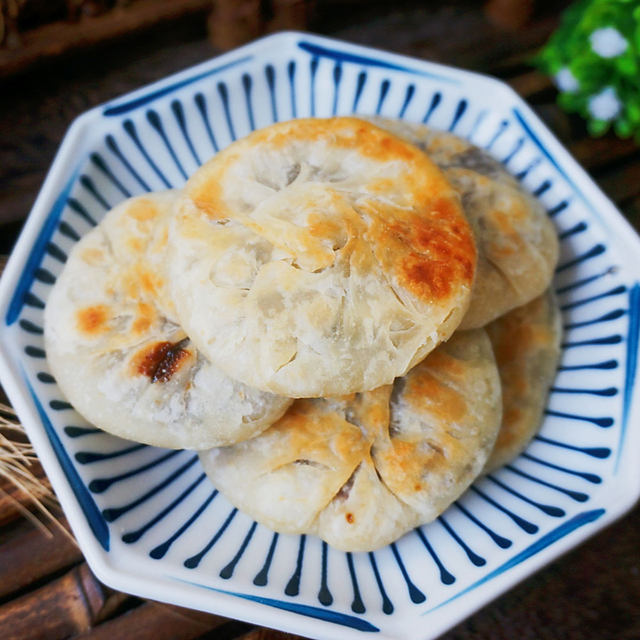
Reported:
(517, 243)
(526, 344)
(361, 470)
(320, 257)
(116, 349)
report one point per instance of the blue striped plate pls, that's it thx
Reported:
(149, 521)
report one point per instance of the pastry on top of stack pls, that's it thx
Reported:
(328, 260)
(320, 257)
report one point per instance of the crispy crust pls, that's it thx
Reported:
(517, 244)
(338, 254)
(118, 354)
(526, 344)
(363, 469)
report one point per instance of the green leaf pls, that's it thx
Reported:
(632, 110)
(623, 128)
(570, 46)
(627, 65)
(597, 127)
(570, 101)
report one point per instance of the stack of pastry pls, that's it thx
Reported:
(349, 320)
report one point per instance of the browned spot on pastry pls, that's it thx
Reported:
(426, 393)
(384, 147)
(92, 320)
(161, 360)
(163, 240)
(345, 132)
(434, 251)
(92, 256)
(381, 185)
(150, 283)
(432, 278)
(322, 436)
(135, 245)
(142, 210)
(447, 253)
(520, 332)
(138, 281)
(349, 518)
(514, 423)
(325, 227)
(404, 464)
(206, 194)
(440, 360)
(145, 316)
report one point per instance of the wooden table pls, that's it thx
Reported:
(46, 589)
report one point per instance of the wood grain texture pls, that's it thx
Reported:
(59, 609)
(155, 621)
(28, 554)
(58, 37)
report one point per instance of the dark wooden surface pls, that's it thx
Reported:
(591, 593)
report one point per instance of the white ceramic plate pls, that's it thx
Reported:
(148, 520)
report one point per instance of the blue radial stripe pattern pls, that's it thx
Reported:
(305, 610)
(320, 51)
(35, 257)
(157, 507)
(633, 346)
(580, 520)
(94, 518)
(155, 94)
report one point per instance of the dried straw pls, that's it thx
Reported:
(16, 461)
(16, 467)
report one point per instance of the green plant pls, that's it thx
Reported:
(594, 56)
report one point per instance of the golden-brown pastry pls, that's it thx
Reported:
(517, 243)
(361, 470)
(118, 353)
(320, 257)
(526, 344)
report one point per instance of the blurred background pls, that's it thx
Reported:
(61, 57)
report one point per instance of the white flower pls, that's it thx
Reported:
(566, 81)
(608, 42)
(605, 105)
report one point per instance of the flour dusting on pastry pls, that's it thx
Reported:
(338, 254)
(118, 353)
(361, 470)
